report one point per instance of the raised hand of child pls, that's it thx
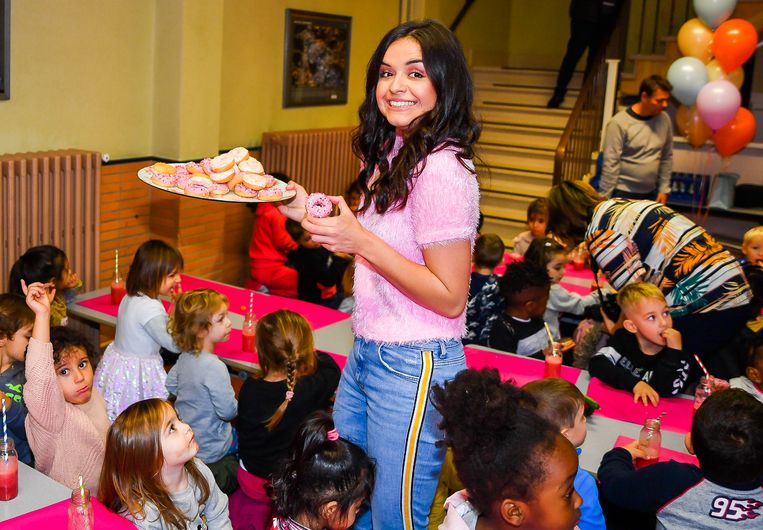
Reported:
(37, 297)
(672, 338)
(635, 450)
(642, 391)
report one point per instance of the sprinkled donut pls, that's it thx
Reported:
(318, 205)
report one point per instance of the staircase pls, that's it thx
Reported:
(519, 135)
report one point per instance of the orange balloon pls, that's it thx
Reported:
(697, 132)
(681, 119)
(695, 39)
(715, 72)
(734, 42)
(735, 134)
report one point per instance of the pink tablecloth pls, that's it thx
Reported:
(55, 516)
(317, 316)
(521, 369)
(665, 454)
(619, 405)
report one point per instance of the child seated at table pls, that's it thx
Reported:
(201, 382)
(563, 404)
(485, 302)
(46, 264)
(537, 220)
(295, 382)
(16, 321)
(644, 356)
(723, 492)
(132, 368)
(324, 482)
(752, 265)
(319, 272)
(520, 328)
(151, 476)
(517, 467)
(752, 381)
(67, 422)
(550, 255)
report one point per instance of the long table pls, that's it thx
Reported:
(618, 417)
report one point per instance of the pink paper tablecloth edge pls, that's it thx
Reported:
(477, 359)
(57, 512)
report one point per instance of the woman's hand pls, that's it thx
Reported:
(341, 233)
(294, 208)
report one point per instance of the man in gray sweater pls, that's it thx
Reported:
(638, 146)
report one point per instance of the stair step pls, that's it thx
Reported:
(515, 134)
(521, 95)
(516, 157)
(513, 182)
(526, 115)
(505, 205)
(506, 230)
(522, 76)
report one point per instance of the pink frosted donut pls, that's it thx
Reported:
(196, 190)
(206, 165)
(181, 171)
(182, 180)
(219, 189)
(270, 194)
(163, 180)
(318, 205)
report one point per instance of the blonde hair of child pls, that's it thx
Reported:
(558, 400)
(753, 233)
(132, 465)
(635, 292)
(192, 316)
(285, 343)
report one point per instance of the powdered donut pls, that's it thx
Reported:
(201, 181)
(318, 205)
(255, 180)
(270, 194)
(195, 168)
(221, 163)
(239, 154)
(222, 176)
(251, 165)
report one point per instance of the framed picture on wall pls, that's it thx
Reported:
(5, 49)
(316, 59)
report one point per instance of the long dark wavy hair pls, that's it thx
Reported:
(449, 124)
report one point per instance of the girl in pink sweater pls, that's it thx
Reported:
(66, 423)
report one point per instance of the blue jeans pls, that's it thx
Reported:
(383, 406)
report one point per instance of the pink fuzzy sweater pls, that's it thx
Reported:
(443, 206)
(67, 440)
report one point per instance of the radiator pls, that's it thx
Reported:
(51, 198)
(321, 160)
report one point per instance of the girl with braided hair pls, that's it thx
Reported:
(294, 382)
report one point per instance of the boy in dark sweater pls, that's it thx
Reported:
(485, 302)
(319, 272)
(16, 321)
(723, 492)
(520, 329)
(645, 355)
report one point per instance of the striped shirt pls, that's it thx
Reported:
(645, 241)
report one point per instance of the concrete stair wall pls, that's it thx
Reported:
(519, 136)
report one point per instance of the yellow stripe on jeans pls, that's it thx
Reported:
(411, 444)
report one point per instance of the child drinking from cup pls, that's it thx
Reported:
(201, 382)
(151, 476)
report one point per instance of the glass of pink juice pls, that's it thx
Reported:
(9, 471)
